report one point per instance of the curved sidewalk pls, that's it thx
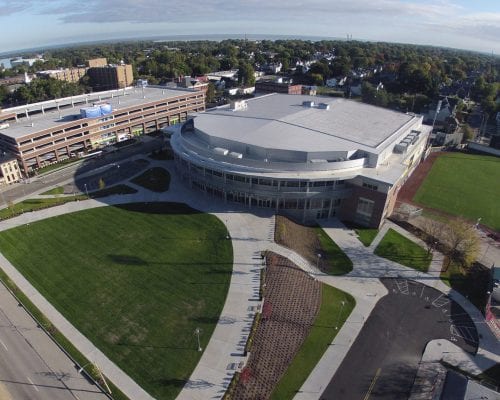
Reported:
(250, 234)
(364, 285)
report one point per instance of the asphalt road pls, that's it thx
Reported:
(15, 191)
(31, 364)
(383, 360)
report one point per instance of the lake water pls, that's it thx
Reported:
(5, 62)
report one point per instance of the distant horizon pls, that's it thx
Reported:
(216, 38)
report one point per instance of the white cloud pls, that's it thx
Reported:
(153, 11)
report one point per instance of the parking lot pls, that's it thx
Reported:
(383, 360)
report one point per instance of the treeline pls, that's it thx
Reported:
(40, 90)
(407, 70)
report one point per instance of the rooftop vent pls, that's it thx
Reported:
(239, 105)
(221, 151)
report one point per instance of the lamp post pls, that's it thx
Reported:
(317, 260)
(476, 225)
(197, 332)
(86, 190)
(340, 312)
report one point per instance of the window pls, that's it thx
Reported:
(370, 186)
(365, 207)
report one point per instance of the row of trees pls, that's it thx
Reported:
(415, 69)
(40, 90)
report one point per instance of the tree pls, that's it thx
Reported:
(210, 95)
(246, 74)
(435, 231)
(463, 242)
(317, 79)
(102, 184)
(468, 133)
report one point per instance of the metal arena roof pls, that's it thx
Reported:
(282, 121)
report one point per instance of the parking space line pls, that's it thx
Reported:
(33, 384)
(440, 301)
(463, 332)
(3, 344)
(403, 286)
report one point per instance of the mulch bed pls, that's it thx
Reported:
(292, 301)
(301, 238)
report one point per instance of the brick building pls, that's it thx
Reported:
(43, 133)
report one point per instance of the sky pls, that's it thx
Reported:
(465, 24)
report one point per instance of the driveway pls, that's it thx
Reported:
(383, 360)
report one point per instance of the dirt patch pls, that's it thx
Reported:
(313, 244)
(292, 301)
(410, 188)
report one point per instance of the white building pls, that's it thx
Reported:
(312, 160)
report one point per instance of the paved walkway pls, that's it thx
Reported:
(252, 233)
(364, 285)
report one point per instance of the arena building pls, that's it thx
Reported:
(43, 133)
(312, 160)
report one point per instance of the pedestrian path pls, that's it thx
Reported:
(364, 285)
(252, 233)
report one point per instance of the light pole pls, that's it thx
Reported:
(197, 332)
(476, 225)
(317, 260)
(340, 312)
(86, 190)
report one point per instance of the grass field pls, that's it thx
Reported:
(366, 235)
(331, 315)
(136, 281)
(156, 179)
(473, 283)
(54, 191)
(465, 185)
(41, 203)
(396, 247)
(339, 263)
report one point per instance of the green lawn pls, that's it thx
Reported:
(331, 315)
(136, 280)
(339, 263)
(58, 165)
(156, 179)
(54, 191)
(464, 185)
(473, 283)
(398, 248)
(366, 235)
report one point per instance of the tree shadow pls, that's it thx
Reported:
(171, 382)
(126, 260)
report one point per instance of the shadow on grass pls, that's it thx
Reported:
(151, 346)
(159, 208)
(171, 382)
(126, 260)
